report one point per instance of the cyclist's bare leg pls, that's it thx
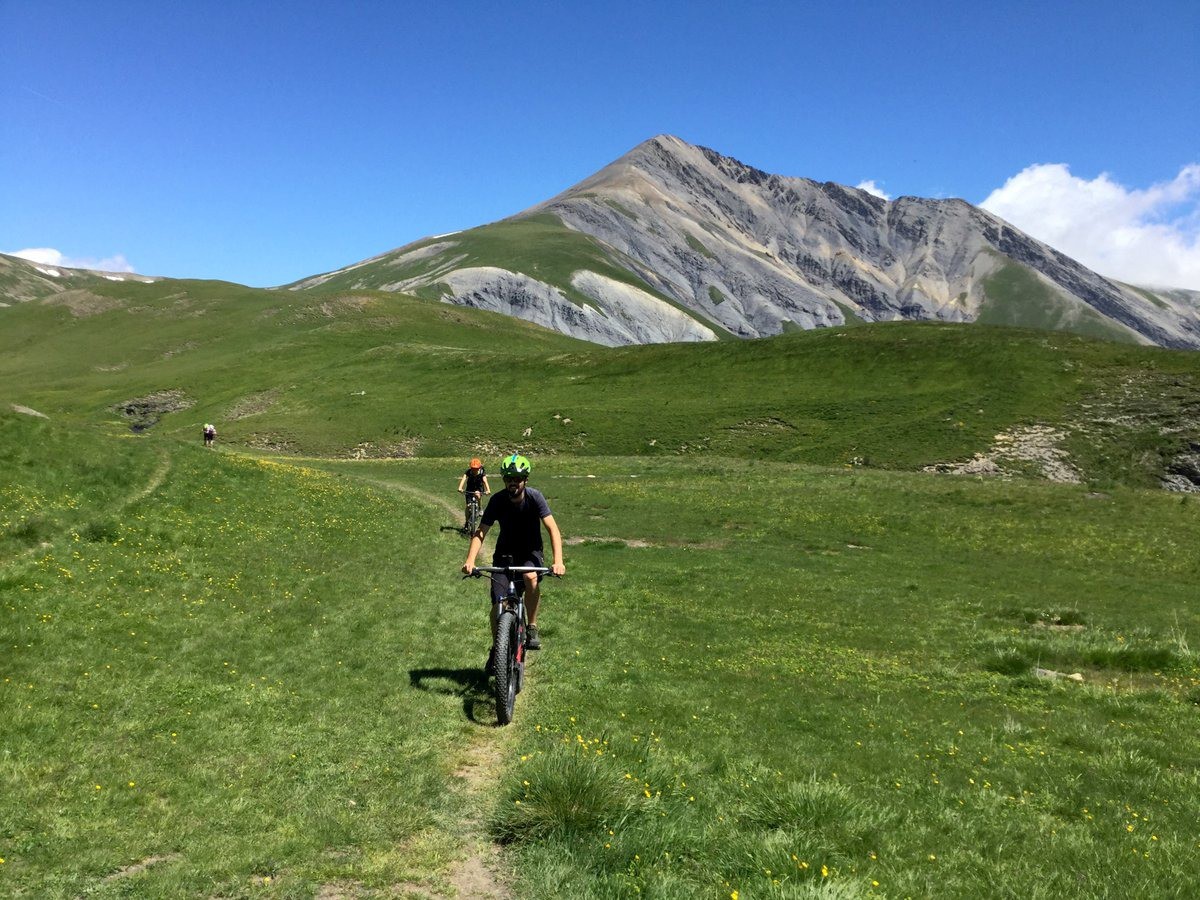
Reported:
(533, 595)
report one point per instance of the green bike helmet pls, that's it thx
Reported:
(515, 466)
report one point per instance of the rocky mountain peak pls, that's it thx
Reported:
(674, 241)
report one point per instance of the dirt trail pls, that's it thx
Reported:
(478, 875)
(157, 477)
(431, 499)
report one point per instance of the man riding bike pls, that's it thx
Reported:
(522, 512)
(473, 481)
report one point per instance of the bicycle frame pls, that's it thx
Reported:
(510, 672)
(473, 513)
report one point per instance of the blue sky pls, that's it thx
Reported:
(261, 142)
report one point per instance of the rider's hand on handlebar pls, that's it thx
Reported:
(558, 569)
(468, 569)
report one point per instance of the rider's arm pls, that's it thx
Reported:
(486, 489)
(555, 545)
(462, 482)
(473, 550)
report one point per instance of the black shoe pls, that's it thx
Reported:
(489, 667)
(532, 641)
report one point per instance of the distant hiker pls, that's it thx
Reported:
(521, 512)
(210, 435)
(474, 481)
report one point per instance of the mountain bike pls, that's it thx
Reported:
(473, 514)
(508, 651)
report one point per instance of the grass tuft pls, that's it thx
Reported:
(562, 795)
(101, 531)
(1056, 616)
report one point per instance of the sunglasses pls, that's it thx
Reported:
(515, 479)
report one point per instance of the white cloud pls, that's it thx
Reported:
(872, 188)
(48, 256)
(1148, 236)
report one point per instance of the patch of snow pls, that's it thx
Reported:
(53, 273)
(114, 278)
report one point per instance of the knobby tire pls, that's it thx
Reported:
(506, 667)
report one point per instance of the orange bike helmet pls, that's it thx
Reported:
(476, 464)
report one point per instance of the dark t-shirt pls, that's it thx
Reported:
(474, 482)
(520, 526)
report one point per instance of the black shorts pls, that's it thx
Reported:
(500, 580)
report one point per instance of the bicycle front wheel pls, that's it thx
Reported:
(473, 517)
(506, 667)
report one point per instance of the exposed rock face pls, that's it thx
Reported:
(780, 250)
(144, 412)
(622, 314)
(1030, 448)
(689, 232)
(1183, 472)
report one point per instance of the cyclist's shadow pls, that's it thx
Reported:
(470, 684)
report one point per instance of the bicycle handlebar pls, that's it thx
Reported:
(480, 571)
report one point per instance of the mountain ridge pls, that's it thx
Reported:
(679, 242)
(755, 254)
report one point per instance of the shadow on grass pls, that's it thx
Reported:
(469, 684)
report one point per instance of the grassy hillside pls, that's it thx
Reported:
(1016, 296)
(380, 374)
(228, 676)
(539, 246)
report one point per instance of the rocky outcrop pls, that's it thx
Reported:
(621, 314)
(1183, 472)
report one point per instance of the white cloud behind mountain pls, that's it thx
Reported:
(1148, 236)
(872, 188)
(48, 256)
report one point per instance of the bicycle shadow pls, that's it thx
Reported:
(470, 684)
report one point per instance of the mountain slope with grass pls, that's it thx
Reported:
(22, 280)
(371, 373)
(674, 242)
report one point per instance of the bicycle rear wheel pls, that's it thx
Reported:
(506, 667)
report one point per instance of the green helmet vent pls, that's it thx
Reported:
(514, 465)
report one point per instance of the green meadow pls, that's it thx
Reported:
(785, 662)
(368, 373)
(238, 676)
